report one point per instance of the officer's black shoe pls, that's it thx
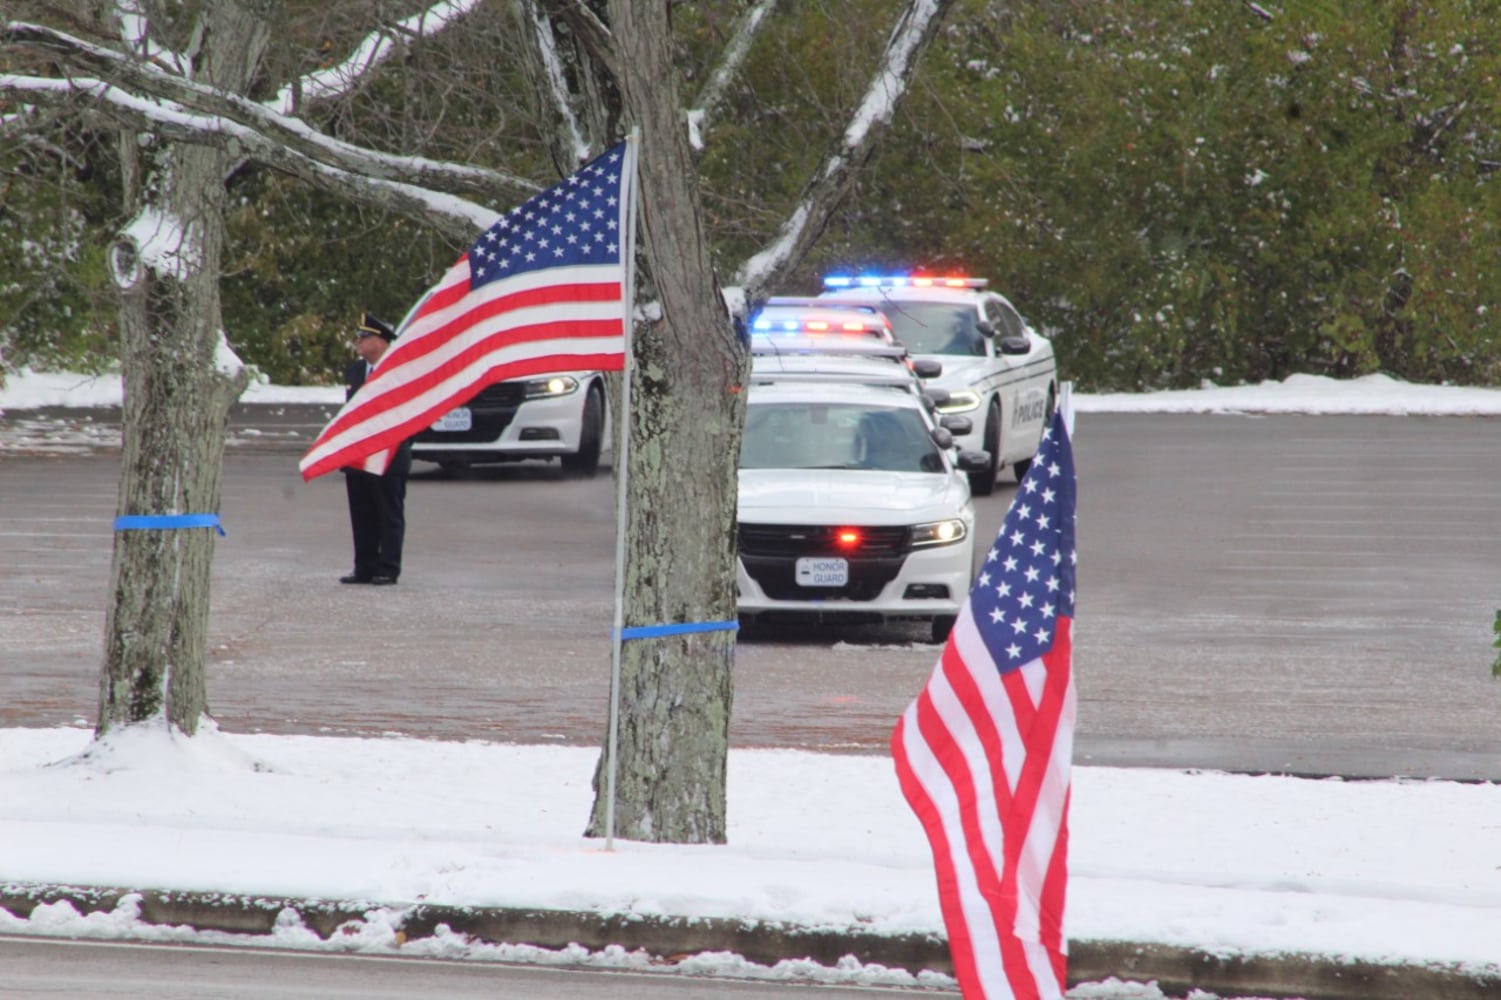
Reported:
(358, 578)
(381, 580)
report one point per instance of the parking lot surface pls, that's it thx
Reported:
(1294, 594)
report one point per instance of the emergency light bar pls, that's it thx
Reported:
(769, 344)
(763, 324)
(900, 281)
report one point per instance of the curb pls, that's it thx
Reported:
(1176, 970)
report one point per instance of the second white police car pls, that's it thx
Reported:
(563, 416)
(996, 367)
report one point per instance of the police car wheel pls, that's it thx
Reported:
(982, 483)
(585, 461)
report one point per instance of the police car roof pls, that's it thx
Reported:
(846, 393)
(851, 367)
(858, 344)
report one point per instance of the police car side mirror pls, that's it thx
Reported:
(942, 438)
(1016, 344)
(957, 424)
(936, 397)
(974, 461)
(927, 367)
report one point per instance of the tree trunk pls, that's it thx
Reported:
(176, 405)
(676, 691)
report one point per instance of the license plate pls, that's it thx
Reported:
(827, 571)
(455, 420)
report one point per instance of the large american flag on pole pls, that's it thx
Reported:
(983, 754)
(543, 290)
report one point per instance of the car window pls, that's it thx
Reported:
(936, 327)
(1006, 320)
(787, 435)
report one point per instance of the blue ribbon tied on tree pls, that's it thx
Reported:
(167, 522)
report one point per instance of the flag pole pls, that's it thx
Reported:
(622, 465)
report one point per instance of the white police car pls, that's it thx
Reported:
(996, 368)
(810, 338)
(851, 508)
(779, 364)
(562, 416)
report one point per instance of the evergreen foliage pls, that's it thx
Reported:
(304, 266)
(1177, 192)
(1192, 191)
(57, 304)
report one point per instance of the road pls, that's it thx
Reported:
(1300, 594)
(84, 970)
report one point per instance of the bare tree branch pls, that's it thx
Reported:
(742, 34)
(911, 35)
(371, 52)
(454, 216)
(592, 33)
(216, 110)
(542, 44)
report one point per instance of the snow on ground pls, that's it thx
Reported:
(1388, 871)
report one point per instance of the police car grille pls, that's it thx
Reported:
(793, 540)
(499, 394)
(769, 553)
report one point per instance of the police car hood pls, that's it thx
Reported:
(823, 496)
(960, 371)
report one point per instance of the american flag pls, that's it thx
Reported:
(983, 754)
(543, 290)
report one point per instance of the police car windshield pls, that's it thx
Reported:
(799, 435)
(936, 327)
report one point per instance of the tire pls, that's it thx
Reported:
(1020, 468)
(585, 461)
(982, 483)
(942, 626)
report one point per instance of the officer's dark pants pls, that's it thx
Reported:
(377, 515)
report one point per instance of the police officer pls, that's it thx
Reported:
(377, 503)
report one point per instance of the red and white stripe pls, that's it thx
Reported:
(984, 759)
(532, 323)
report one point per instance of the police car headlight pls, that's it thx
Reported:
(944, 532)
(960, 401)
(551, 387)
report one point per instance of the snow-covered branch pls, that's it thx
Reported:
(455, 216)
(546, 47)
(913, 32)
(592, 33)
(135, 34)
(184, 103)
(373, 50)
(742, 34)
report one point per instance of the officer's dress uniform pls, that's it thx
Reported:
(377, 503)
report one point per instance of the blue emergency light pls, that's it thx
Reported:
(762, 324)
(901, 281)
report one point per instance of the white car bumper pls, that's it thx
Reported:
(931, 583)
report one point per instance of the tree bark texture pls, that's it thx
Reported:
(689, 369)
(176, 407)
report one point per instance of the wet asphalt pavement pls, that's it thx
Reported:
(1296, 594)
